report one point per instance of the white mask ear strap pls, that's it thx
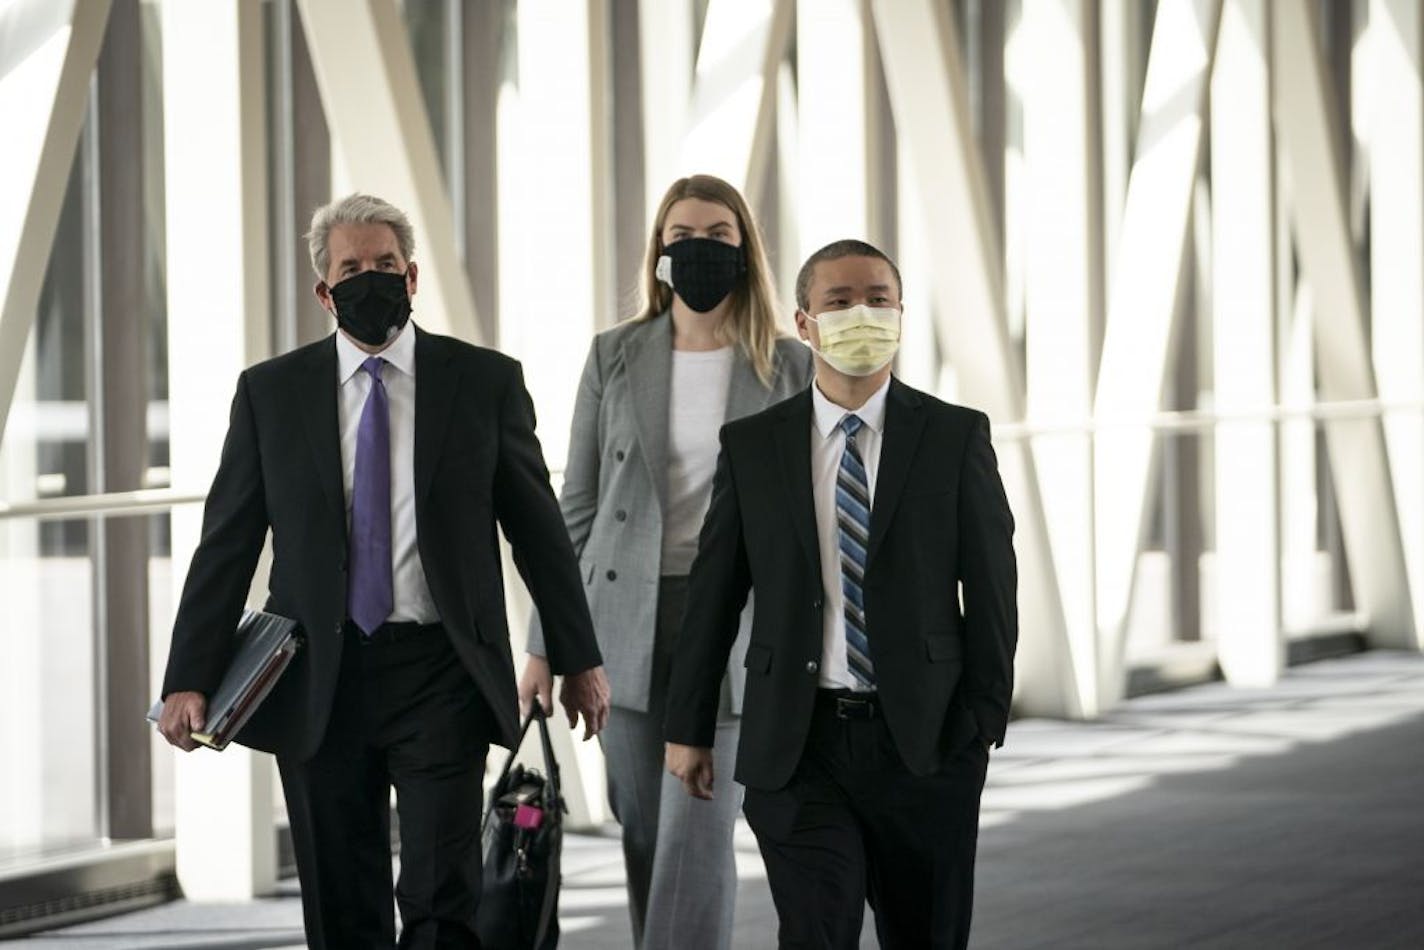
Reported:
(663, 270)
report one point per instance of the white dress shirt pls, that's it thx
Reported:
(412, 594)
(697, 407)
(827, 444)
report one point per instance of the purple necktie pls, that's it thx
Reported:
(371, 594)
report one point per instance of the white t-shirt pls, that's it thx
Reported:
(696, 410)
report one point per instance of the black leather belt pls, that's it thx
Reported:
(848, 704)
(394, 632)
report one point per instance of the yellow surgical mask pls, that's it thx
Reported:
(860, 340)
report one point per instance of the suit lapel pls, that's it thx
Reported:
(647, 356)
(793, 442)
(904, 422)
(435, 383)
(317, 392)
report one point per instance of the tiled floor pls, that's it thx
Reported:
(1290, 817)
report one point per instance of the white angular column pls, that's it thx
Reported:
(216, 197)
(1120, 80)
(920, 52)
(665, 57)
(382, 143)
(553, 160)
(730, 123)
(1063, 295)
(48, 56)
(831, 83)
(1307, 124)
(1396, 132)
(1142, 306)
(1247, 576)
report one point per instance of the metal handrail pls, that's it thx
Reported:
(142, 501)
(1200, 420)
(148, 500)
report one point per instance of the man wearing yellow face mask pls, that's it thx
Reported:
(870, 520)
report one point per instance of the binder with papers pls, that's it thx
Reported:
(265, 646)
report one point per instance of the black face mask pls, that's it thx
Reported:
(372, 306)
(702, 271)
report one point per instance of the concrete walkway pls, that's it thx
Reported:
(1291, 817)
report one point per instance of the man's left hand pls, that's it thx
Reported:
(587, 694)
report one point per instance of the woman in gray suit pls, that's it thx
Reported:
(656, 389)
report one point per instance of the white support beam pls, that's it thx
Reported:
(215, 162)
(832, 82)
(1142, 304)
(382, 143)
(1063, 295)
(1121, 64)
(665, 57)
(731, 122)
(1247, 574)
(1396, 157)
(918, 360)
(926, 81)
(1306, 121)
(928, 94)
(1305, 590)
(555, 171)
(48, 51)
(785, 255)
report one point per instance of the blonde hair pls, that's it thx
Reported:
(751, 324)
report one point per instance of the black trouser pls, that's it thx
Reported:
(406, 714)
(853, 824)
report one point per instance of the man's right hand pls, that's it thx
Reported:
(183, 714)
(691, 764)
(536, 681)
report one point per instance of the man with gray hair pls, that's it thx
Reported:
(382, 458)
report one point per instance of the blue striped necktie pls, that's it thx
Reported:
(853, 517)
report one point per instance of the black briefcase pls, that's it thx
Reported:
(522, 837)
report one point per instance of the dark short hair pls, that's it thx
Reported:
(849, 247)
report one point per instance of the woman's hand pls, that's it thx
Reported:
(536, 681)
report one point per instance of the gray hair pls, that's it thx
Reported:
(355, 209)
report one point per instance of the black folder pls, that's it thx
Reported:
(265, 645)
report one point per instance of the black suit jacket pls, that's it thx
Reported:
(939, 521)
(477, 462)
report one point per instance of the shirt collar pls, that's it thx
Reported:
(828, 415)
(400, 354)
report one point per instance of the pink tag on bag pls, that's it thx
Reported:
(527, 816)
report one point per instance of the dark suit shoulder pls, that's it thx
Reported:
(465, 354)
(767, 420)
(299, 360)
(937, 408)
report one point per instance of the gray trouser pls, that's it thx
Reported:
(682, 878)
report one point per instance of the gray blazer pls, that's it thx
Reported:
(615, 489)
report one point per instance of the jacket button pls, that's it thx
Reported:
(339, 625)
(816, 604)
(812, 666)
(621, 515)
(619, 455)
(612, 575)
